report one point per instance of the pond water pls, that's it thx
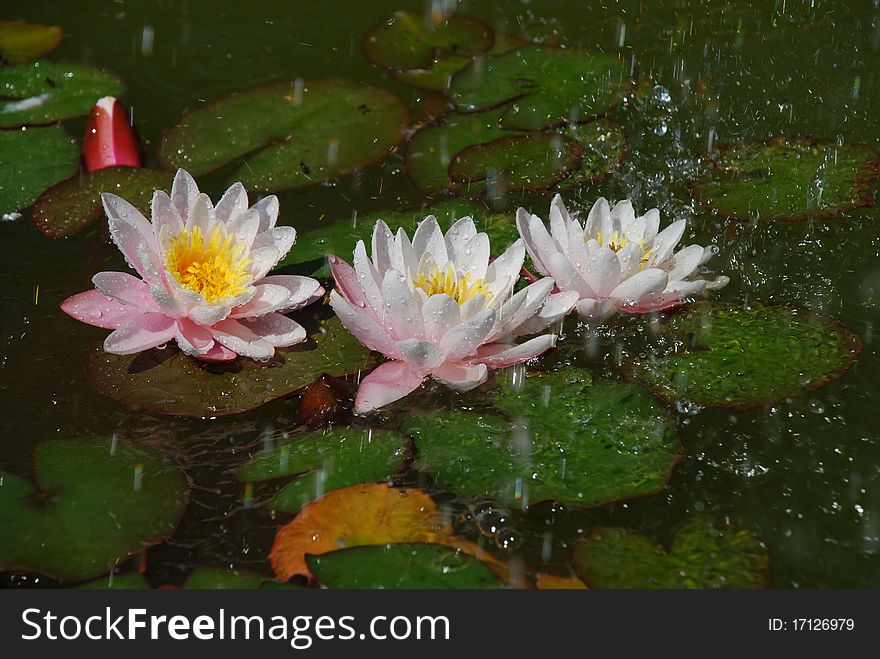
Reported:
(784, 493)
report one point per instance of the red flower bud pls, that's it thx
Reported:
(109, 140)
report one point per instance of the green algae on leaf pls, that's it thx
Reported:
(549, 86)
(791, 179)
(288, 135)
(569, 439)
(92, 503)
(73, 205)
(730, 355)
(32, 160)
(22, 42)
(166, 381)
(325, 461)
(43, 92)
(401, 565)
(703, 554)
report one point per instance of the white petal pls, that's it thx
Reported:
(622, 216)
(666, 241)
(599, 219)
(241, 339)
(684, 262)
(165, 215)
(640, 291)
(429, 239)
(421, 356)
(440, 313)
(184, 193)
(244, 226)
(276, 329)
(369, 280)
(382, 242)
(459, 235)
(462, 340)
(507, 266)
(523, 218)
(559, 218)
(595, 311)
(201, 215)
(474, 257)
(267, 207)
(402, 313)
(233, 203)
(364, 325)
(602, 269)
(461, 377)
(566, 277)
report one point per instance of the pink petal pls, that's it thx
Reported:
(241, 339)
(499, 355)
(193, 339)
(130, 231)
(387, 383)
(165, 215)
(277, 329)
(279, 293)
(523, 217)
(233, 203)
(184, 193)
(421, 356)
(346, 281)
(595, 311)
(218, 353)
(109, 140)
(461, 377)
(125, 288)
(268, 210)
(464, 339)
(363, 324)
(402, 313)
(143, 332)
(639, 292)
(94, 308)
(440, 313)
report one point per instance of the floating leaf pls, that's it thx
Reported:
(22, 42)
(32, 160)
(127, 581)
(326, 461)
(546, 581)
(791, 179)
(71, 206)
(435, 77)
(43, 92)
(551, 86)
(403, 565)
(703, 555)
(730, 355)
(518, 162)
(93, 504)
(166, 381)
(290, 134)
(214, 578)
(365, 514)
(572, 439)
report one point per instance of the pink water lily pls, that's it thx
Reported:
(615, 261)
(437, 307)
(204, 280)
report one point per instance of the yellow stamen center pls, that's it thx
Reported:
(618, 241)
(215, 266)
(460, 289)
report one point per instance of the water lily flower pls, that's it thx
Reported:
(109, 140)
(437, 307)
(204, 280)
(615, 261)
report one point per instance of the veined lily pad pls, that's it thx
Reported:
(43, 92)
(22, 42)
(435, 77)
(412, 41)
(326, 461)
(729, 355)
(791, 179)
(403, 565)
(71, 206)
(549, 86)
(289, 135)
(703, 555)
(92, 504)
(32, 160)
(166, 381)
(570, 439)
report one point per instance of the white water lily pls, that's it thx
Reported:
(438, 308)
(204, 280)
(615, 261)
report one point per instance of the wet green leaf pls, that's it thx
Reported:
(22, 42)
(288, 135)
(791, 179)
(404, 565)
(32, 160)
(43, 92)
(551, 86)
(73, 205)
(703, 554)
(92, 503)
(568, 438)
(166, 381)
(731, 355)
(325, 461)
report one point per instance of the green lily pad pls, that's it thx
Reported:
(730, 355)
(71, 206)
(127, 581)
(288, 135)
(43, 92)
(93, 503)
(791, 179)
(166, 381)
(550, 86)
(402, 565)
(518, 162)
(436, 77)
(325, 461)
(603, 146)
(32, 160)
(22, 42)
(570, 439)
(702, 555)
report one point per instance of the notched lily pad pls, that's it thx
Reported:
(92, 504)
(166, 381)
(791, 179)
(729, 355)
(703, 554)
(43, 92)
(32, 160)
(549, 86)
(22, 42)
(289, 135)
(73, 205)
(326, 461)
(571, 439)
(402, 565)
